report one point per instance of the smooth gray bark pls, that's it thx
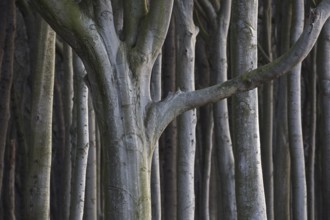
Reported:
(155, 167)
(249, 182)
(299, 191)
(7, 45)
(119, 77)
(266, 127)
(185, 69)
(68, 105)
(37, 191)
(323, 70)
(309, 131)
(223, 142)
(282, 163)
(90, 208)
(168, 139)
(81, 152)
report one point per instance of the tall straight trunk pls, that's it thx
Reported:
(299, 191)
(37, 192)
(266, 128)
(90, 209)
(68, 104)
(223, 142)
(249, 183)
(309, 131)
(186, 37)
(282, 163)
(169, 142)
(156, 94)
(323, 70)
(82, 147)
(8, 29)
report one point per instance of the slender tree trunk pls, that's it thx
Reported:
(68, 105)
(90, 209)
(223, 142)
(82, 148)
(299, 192)
(204, 137)
(266, 129)
(309, 129)
(156, 91)
(37, 192)
(249, 183)
(282, 164)
(8, 29)
(323, 69)
(186, 38)
(169, 142)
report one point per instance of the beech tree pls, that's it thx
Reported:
(122, 45)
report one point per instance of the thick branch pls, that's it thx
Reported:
(154, 29)
(180, 102)
(133, 12)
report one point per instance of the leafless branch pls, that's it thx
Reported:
(180, 102)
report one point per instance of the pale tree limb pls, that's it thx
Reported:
(299, 191)
(133, 13)
(180, 102)
(154, 30)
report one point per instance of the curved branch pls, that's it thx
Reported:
(154, 29)
(210, 11)
(180, 102)
(133, 12)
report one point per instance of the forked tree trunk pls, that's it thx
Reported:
(249, 182)
(130, 123)
(223, 141)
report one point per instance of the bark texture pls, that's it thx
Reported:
(82, 147)
(323, 70)
(7, 45)
(299, 191)
(249, 182)
(40, 150)
(186, 38)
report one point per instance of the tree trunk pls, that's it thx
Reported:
(156, 90)
(249, 182)
(8, 27)
(266, 128)
(309, 128)
(299, 192)
(323, 69)
(223, 142)
(40, 150)
(90, 209)
(82, 147)
(282, 163)
(186, 37)
(68, 105)
(168, 140)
